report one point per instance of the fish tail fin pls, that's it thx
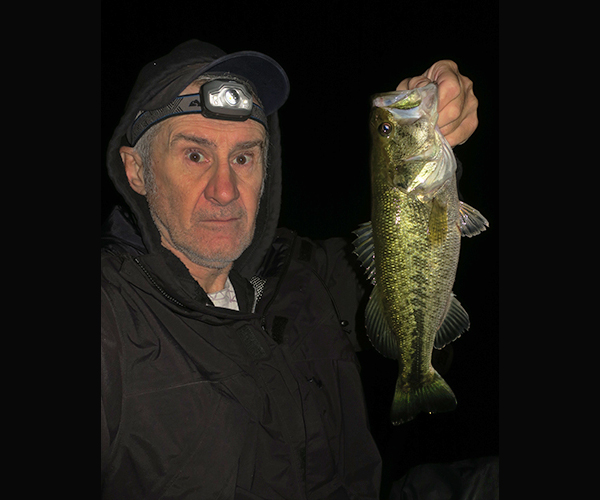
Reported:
(433, 397)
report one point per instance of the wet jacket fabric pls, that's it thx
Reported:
(203, 402)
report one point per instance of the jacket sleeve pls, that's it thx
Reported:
(111, 387)
(348, 286)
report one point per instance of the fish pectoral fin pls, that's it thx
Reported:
(378, 330)
(364, 248)
(438, 223)
(455, 323)
(471, 222)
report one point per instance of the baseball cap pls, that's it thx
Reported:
(162, 80)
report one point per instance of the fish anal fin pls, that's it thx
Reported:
(378, 330)
(471, 222)
(455, 323)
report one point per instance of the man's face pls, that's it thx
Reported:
(208, 177)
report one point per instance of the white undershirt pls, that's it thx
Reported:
(225, 298)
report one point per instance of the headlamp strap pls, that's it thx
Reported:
(184, 105)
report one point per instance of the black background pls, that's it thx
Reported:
(336, 54)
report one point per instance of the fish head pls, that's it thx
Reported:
(412, 154)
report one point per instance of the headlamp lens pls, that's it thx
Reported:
(232, 97)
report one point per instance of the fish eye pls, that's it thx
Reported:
(385, 129)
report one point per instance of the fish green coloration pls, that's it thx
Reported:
(411, 246)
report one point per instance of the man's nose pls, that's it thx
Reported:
(222, 186)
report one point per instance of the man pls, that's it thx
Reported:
(228, 366)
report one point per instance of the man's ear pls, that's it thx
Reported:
(133, 169)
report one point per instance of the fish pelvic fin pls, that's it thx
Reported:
(364, 249)
(379, 332)
(433, 397)
(471, 222)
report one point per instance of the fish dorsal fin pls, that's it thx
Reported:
(378, 330)
(364, 248)
(455, 323)
(471, 222)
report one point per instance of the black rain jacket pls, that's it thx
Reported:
(201, 402)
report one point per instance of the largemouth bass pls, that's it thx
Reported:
(411, 246)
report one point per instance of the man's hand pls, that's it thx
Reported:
(457, 106)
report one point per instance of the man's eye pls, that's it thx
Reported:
(196, 157)
(242, 159)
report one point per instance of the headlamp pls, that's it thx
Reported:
(218, 99)
(226, 100)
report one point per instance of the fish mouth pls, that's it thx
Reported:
(409, 104)
(392, 100)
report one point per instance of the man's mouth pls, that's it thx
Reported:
(221, 221)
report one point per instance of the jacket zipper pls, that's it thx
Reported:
(156, 285)
(298, 457)
(286, 265)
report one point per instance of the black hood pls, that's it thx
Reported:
(154, 85)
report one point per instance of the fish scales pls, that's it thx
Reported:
(411, 247)
(424, 274)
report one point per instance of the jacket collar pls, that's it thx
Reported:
(163, 271)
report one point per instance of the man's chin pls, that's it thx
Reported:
(213, 246)
(211, 260)
(216, 253)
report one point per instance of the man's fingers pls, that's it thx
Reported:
(459, 131)
(457, 104)
(451, 100)
(413, 83)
